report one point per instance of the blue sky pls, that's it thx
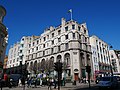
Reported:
(31, 17)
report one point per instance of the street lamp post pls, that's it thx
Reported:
(110, 62)
(21, 67)
(88, 70)
(58, 67)
(23, 73)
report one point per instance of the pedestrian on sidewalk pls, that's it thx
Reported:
(29, 81)
(49, 84)
(55, 83)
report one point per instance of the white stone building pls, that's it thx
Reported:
(18, 52)
(100, 56)
(69, 43)
(115, 61)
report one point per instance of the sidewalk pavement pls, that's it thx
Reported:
(68, 86)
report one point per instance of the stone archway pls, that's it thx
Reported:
(51, 63)
(67, 59)
(31, 66)
(35, 67)
(82, 59)
(59, 57)
(43, 65)
(88, 59)
(67, 64)
(38, 66)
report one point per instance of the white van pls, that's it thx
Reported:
(108, 81)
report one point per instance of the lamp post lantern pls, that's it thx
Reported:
(88, 70)
(58, 67)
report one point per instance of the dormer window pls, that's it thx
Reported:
(66, 28)
(59, 32)
(52, 35)
(44, 38)
(73, 26)
(79, 28)
(84, 31)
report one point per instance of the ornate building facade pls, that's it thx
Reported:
(3, 36)
(69, 43)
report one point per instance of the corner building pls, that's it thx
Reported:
(3, 37)
(69, 43)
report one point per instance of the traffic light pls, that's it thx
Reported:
(58, 66)
(88, 69)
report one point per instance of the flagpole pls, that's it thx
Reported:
(70, 11)
(71, 14)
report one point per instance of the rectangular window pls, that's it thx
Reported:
(33, 43)
(43, 53)
(84, 31)
(43, 45)
(22, 45)
(47, 44)
(79, 36)
(59, 32)
(78, 28)
(73, 35)
(66, 28)
(66, 46)
(29, 45)
(66, 36)
(111, 56)
(20, 51)
(40, 40)
(85, 39)
(36, 48)
(52, 35)
(44, 38)
(59, 49)
(13, 60)
(21, 57)
(17, 59)
(59, 39)
(52, 50)
(52, 42)
(37, 41)
(73, 26)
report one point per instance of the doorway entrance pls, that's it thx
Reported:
(76, 76)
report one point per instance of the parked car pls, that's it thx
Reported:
(14, 79)
(108, 81)
(97, 80)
